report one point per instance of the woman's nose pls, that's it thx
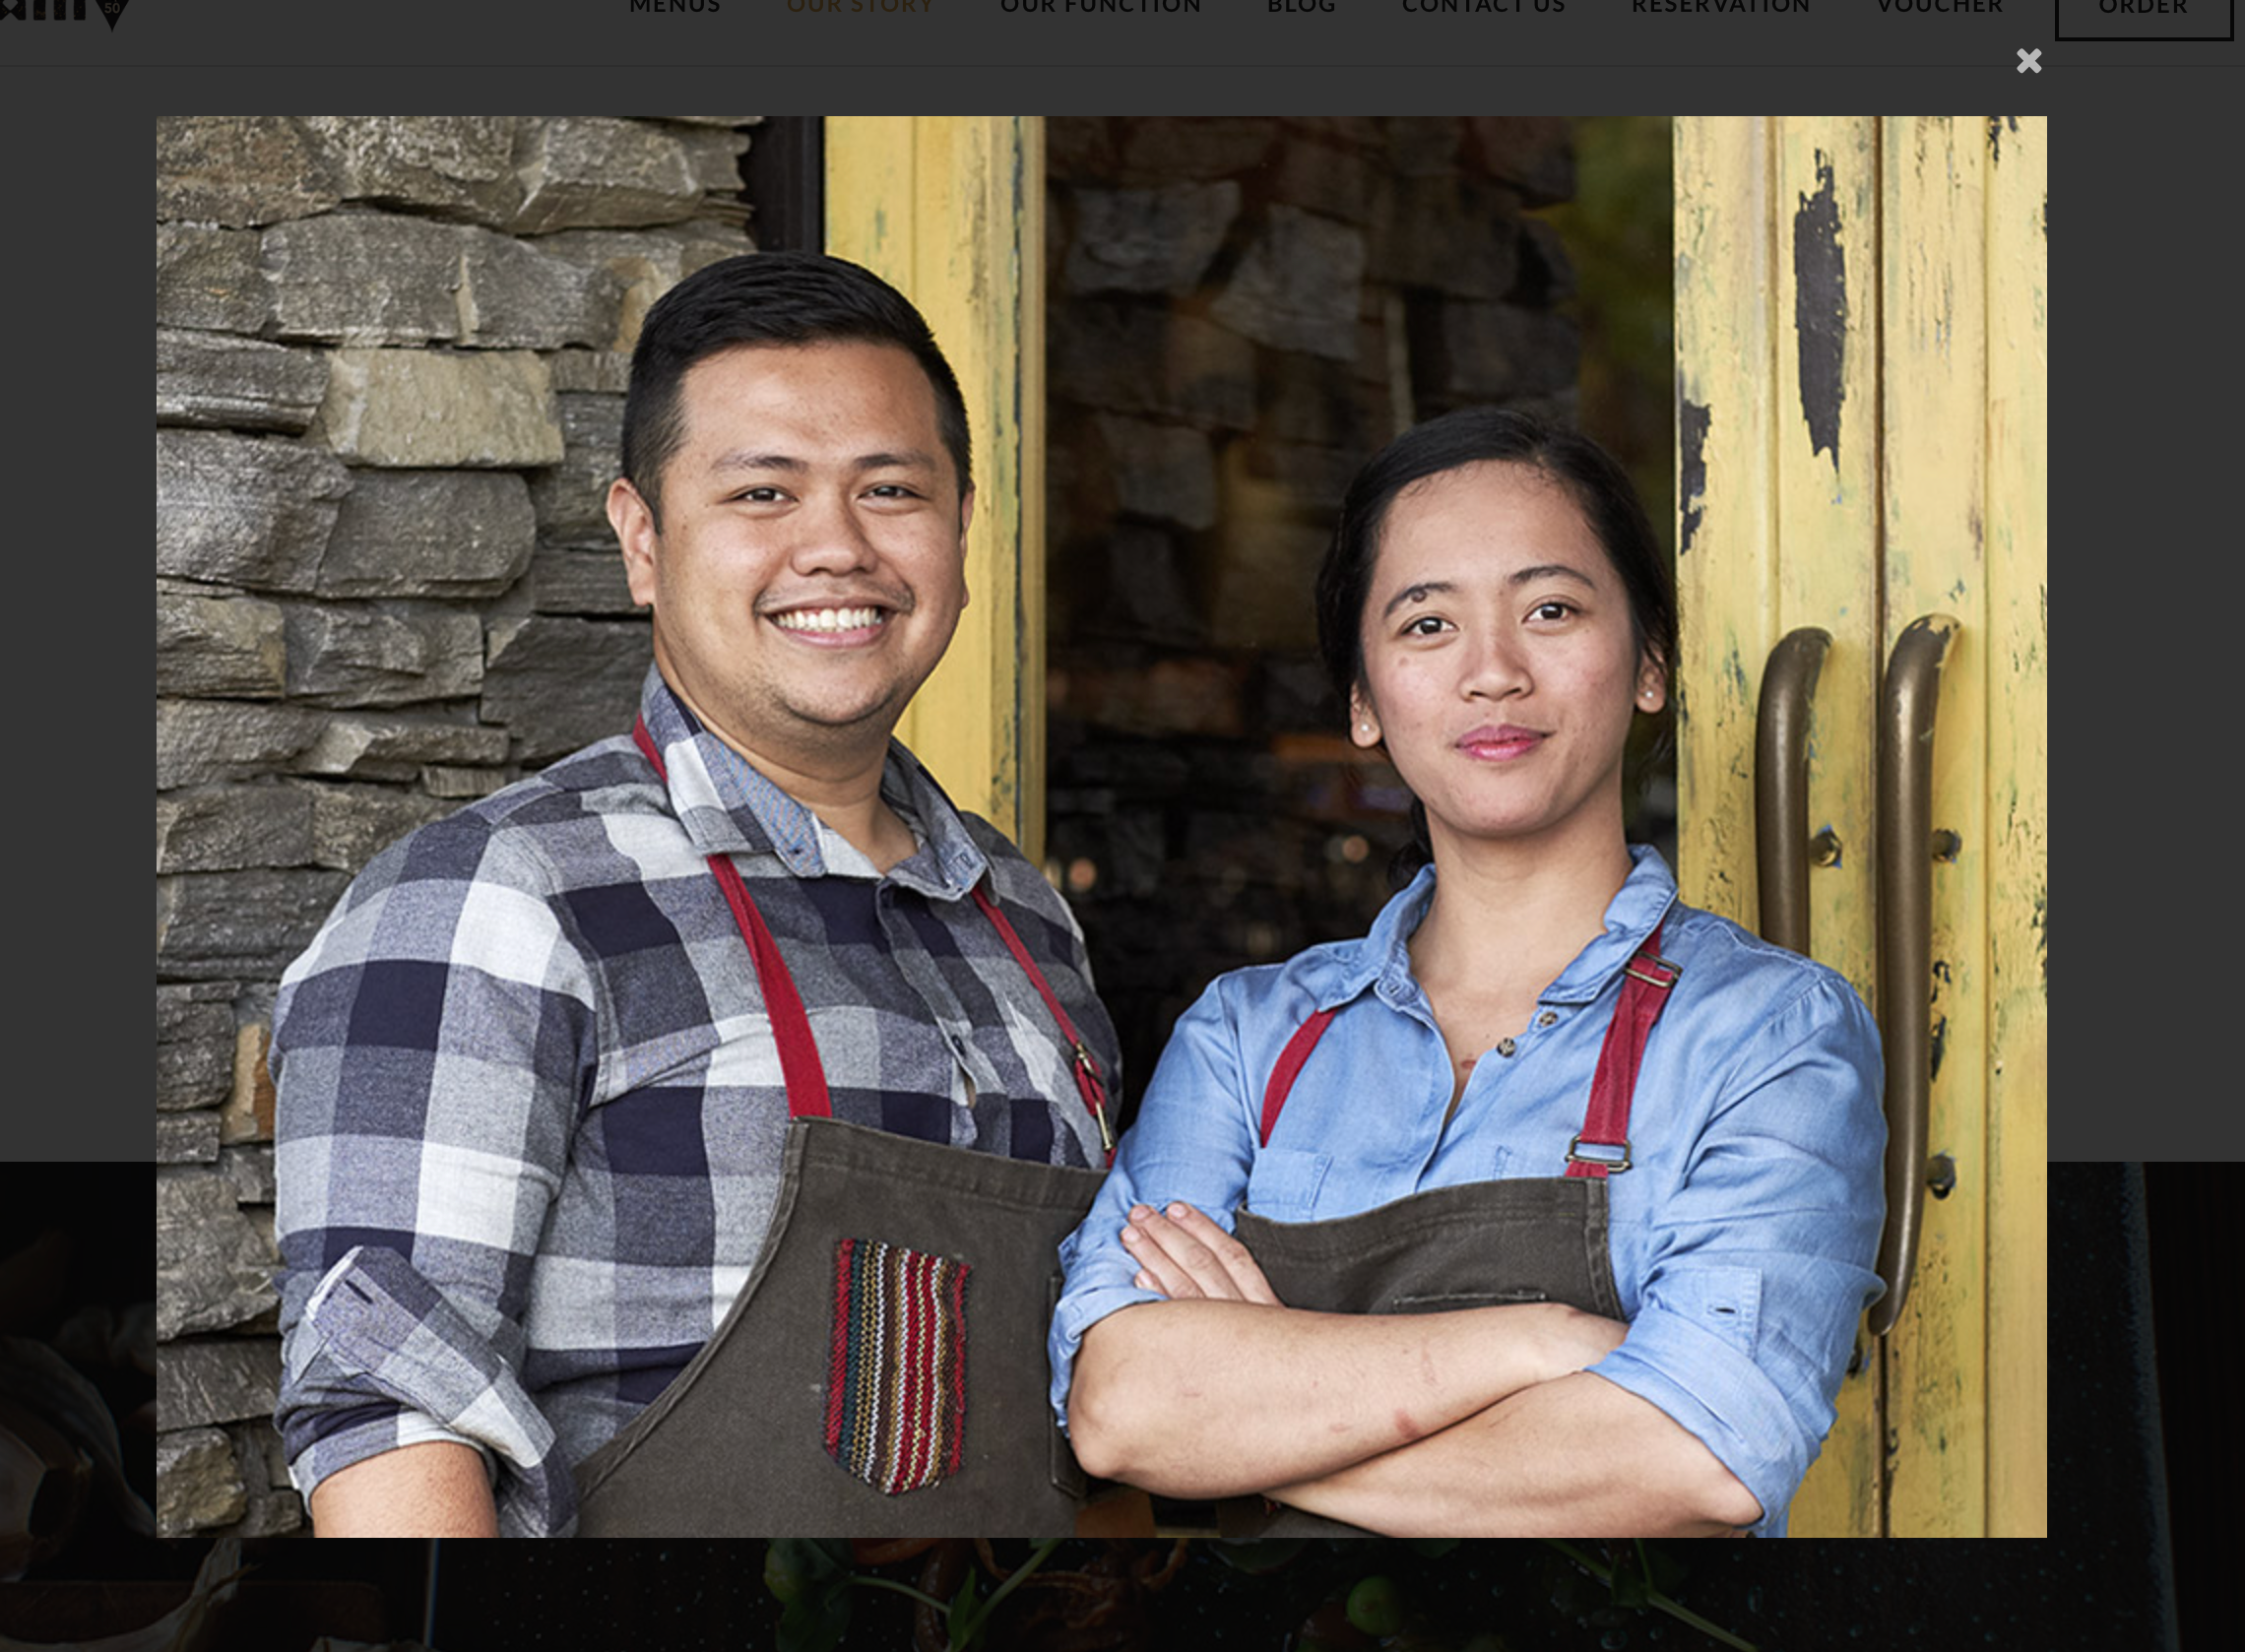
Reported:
(1492, 669)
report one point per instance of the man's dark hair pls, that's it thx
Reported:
(769, 298)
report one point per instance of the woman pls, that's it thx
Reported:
(1548, 1206)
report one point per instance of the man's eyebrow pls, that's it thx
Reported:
(742, 459)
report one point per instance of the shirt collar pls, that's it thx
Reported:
(727, 806)
(1383, 959)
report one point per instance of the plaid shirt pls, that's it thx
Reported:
(531, 1108)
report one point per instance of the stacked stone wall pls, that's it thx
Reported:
(391, 357)
(1241, 312)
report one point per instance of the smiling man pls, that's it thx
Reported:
(676, 1142)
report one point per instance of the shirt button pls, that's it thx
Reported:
(1504, 1046)
(1547, 1019)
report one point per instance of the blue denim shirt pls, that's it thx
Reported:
(1742, 1236)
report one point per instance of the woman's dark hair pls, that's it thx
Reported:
(769, 298)
(1594, 479)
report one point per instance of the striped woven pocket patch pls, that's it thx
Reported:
(896, 1388)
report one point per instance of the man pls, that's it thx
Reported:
(538, 1071)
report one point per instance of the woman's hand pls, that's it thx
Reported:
(1579, 1339)
(1183, 1255)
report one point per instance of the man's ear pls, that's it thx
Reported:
(635, 531)
(966, 519)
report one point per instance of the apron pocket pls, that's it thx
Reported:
(896, 1388)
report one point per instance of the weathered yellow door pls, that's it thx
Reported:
(951, 211)
(1861, 340)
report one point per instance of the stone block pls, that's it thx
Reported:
(382, 653)
(186, 1138)
(1148, 240)
(236, 925)
(215, 1379)
(1135, 359)
(1167, 697)
(201, 742)
(248, 1169)
(1164, 470)
(1328, 178)
(429, 532)
(1463, 351)
(241, 169)
(647, 262)
(351, 824)
(455, 166)
(194, 1045)
(247, 1116)
(229, 828)
(712, 157)
(238, 384)
(587, 172)
(1312, 399)
(422, 408)
(212, 643)
(581, 581)
(517, 296)
(443, 781)
(598, 371)
(198, 1482)
(1422, 146)
(1144, 589)
(1298, 285)
(571, 497)
(1079, 148)
(1547, 272)
(244, 510)
(1533, 152)
(364, 279)
(362, 746)
(556, 685)
(1453, 233)
(1162, 150)
(213, 1269)
(209, 279)
(1265, 579)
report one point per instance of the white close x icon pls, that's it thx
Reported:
(2030, 60)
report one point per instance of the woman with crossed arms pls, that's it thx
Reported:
(1548, 1206)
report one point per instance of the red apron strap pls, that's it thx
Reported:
(800, 1065)
(805, 1074)
(1647, 979)
(1646, 982)
(1289, 1061)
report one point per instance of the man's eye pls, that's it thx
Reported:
(758, 495)
(893, 490)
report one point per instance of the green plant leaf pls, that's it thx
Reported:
(812, 1580)
(963, 1622)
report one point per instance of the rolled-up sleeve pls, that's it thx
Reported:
(1760, 1259)
(1190, 1141)
(429, 1052)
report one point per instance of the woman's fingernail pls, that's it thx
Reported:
(1143, 1282)
(1130, 1235)
(1177, 1211)
(1138, 1212)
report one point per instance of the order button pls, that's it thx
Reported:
(2146, 20)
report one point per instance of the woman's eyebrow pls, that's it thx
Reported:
(1552, 570)
(1416, 594)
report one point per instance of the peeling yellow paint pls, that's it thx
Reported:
(1933, 502)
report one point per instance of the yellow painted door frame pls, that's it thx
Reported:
(1862, 393)
(951, 209)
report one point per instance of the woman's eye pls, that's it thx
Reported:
(1552, 610)
(1425, 625)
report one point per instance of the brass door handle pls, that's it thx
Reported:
(1781, 847)
(1905, 941)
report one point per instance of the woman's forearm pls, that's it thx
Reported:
(1574, 1457)
(1205, 1399)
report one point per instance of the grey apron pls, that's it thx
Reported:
(1470, 1246)
(882, 1373)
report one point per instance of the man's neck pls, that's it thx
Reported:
(840, 785)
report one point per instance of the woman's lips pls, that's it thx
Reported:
(1500, 744)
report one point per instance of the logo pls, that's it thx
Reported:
(64, 11)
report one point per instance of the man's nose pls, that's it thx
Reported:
(829, 537)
